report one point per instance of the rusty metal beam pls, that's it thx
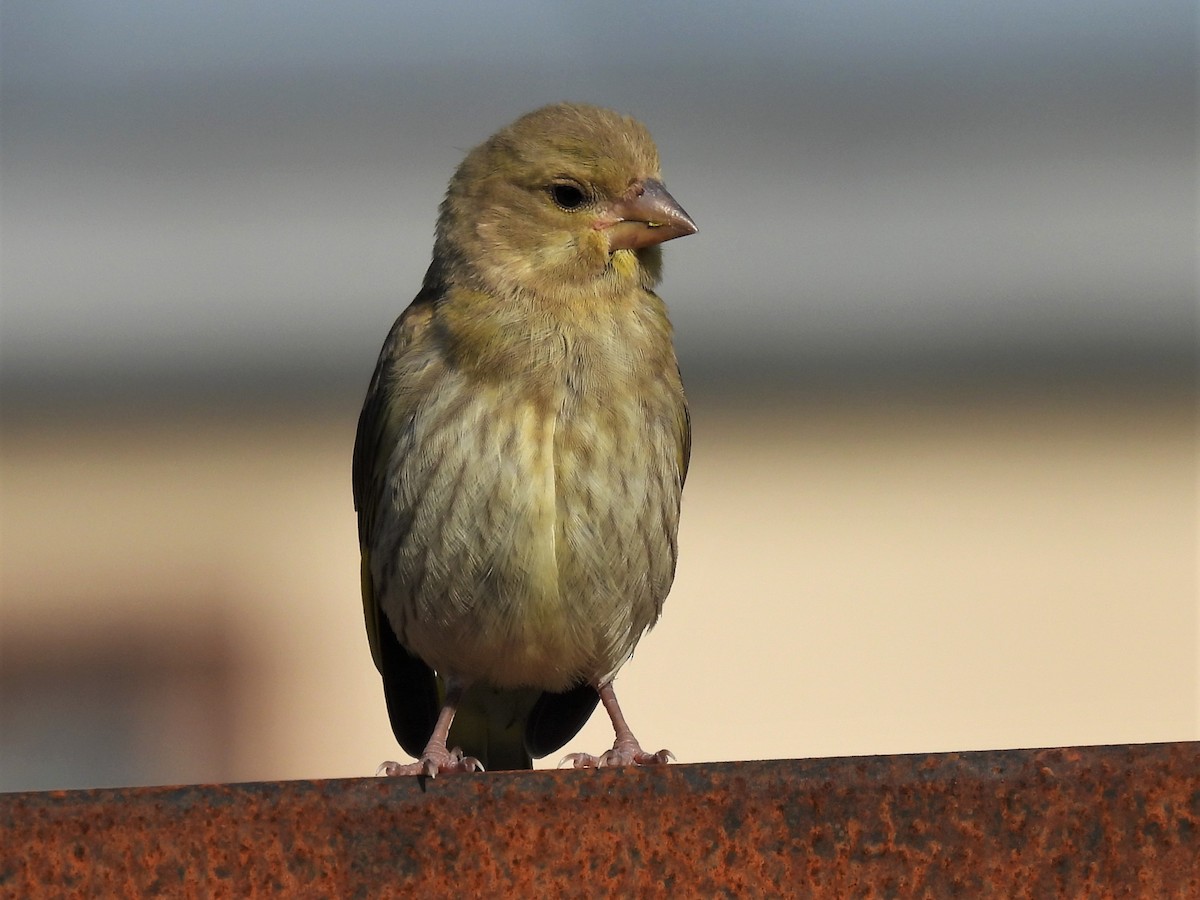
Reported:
(1084, 821)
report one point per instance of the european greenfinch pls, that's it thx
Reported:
(522, 450)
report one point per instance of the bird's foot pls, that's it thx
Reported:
(623, 753)
(434, 761)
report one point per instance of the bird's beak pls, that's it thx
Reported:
(643, 216)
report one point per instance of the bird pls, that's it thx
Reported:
(522, 449)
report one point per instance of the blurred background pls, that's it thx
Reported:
(938, 328)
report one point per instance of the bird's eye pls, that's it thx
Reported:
(568, 195)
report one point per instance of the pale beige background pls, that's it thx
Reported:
(861, 574)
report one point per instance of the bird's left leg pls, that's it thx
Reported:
(626, 751)
(437, 759)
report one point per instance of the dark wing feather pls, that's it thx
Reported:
(411, 691)
(685, 442)
(409, 685)
(557, 717)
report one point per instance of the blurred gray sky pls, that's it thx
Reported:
(243, 193)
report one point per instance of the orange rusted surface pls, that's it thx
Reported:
(1085, 821)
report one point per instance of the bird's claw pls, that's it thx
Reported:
(617, 756)
(432, 764)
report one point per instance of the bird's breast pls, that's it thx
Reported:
(544, 508)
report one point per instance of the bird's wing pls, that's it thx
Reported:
(556, 717)
(410, 685)
(685, 441)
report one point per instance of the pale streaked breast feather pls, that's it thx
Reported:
(538, 544)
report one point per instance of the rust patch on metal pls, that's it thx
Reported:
(1082, 821)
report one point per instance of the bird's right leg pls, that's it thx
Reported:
(437, 759)
(626, 751)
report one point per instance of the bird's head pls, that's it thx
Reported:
(567, 200)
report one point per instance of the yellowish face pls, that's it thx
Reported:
(565, 198)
